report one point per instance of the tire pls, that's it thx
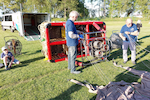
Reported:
(11, 29)
(3, 28)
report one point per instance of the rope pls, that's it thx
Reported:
(138, 92)
(124, 72)
(100, 72)
(130, 39)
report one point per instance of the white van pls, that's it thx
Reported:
(7, 22)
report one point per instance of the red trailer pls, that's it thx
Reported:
(56, 42)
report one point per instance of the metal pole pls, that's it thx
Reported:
(20, 7)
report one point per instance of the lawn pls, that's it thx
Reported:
(36, 79)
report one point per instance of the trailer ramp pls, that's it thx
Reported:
(32, 33)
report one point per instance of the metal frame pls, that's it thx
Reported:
(87, 24)
(86, 43)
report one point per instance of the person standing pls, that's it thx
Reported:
(128, 34)
(72, 40)
(139, 25)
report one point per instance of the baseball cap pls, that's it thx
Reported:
(3, 48)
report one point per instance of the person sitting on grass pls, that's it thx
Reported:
(8, 58)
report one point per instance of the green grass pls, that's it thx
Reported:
(36, 79)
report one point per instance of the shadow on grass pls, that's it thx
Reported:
(141, 51)
(115, 54)
(26, 62)
(139, 66)
(89, 63)
(26, 53)
(66, 94)
(129, 77)
(144, 37)
(118, 53)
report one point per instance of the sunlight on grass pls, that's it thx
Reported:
(36, 79)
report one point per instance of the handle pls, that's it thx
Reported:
(9, 36)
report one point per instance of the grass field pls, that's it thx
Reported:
(36, 79)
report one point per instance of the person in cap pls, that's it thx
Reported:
(128, 34)
(8, 58)
(139, 25)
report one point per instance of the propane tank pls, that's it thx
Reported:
(98, 53)
(97, 44)
(105, 47)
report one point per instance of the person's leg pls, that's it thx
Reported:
(73, 54)
(125, 48)
(5, 60)
(133, 51)
(11, 61)
(69, 58)
(16, 61)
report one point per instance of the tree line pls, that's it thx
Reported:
(61, 8)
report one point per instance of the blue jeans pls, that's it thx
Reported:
(72, 54)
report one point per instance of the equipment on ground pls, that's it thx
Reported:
(94, 44)
(116, 39)
(13, 44)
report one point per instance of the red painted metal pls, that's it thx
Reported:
(58, 43)
(87, 24)
(48, 46)
(87, 37)
(96, 26)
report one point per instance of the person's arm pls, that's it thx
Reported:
(12, 59)
(134, 33)
(2, 56)
(72, 35)
(122, 37)
(79, 32)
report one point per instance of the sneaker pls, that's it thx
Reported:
(7, 68)
(76, 72)
(125, 62)
(133, 62)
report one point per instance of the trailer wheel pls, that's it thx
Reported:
(11, 29)
(3, 28)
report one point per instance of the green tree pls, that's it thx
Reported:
(13, 5)
(142, 5)
(128, 6)
(81, 9)
(122, 6)
(115, 8)
(54, 7)
(67, 6)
